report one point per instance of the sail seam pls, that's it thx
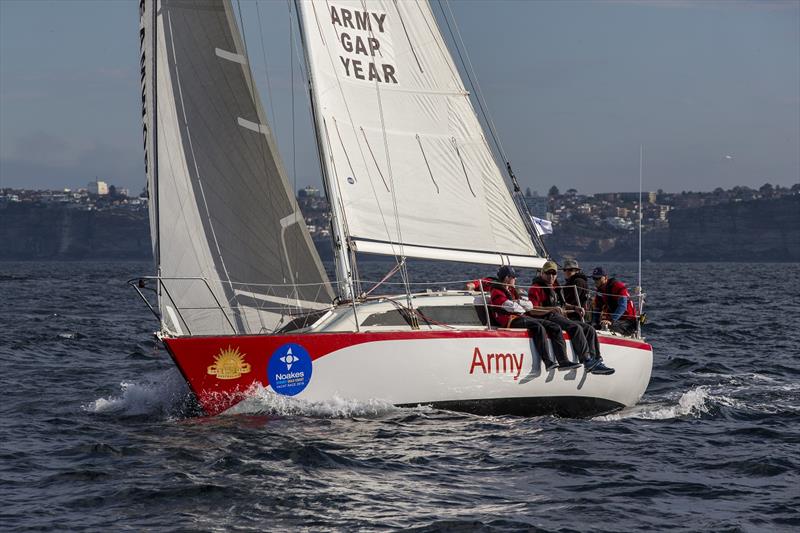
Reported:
(425, 158)
(463, 167)
(373, 159)
(405, 31)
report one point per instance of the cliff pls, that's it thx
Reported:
(46, 232)
(760, 230)
(765, 230)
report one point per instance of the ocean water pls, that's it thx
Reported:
(100, 432)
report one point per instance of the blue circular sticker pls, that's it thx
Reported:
(289, 369)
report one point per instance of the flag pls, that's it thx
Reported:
(542, 226)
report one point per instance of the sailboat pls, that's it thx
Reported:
(243, 299)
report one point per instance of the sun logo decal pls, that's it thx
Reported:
(229, 364)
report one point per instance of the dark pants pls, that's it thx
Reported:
(582, 335)
(624, 327)
(540, 330)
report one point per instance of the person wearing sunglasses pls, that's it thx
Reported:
(613, 308)
(509, 311)
(550, 307)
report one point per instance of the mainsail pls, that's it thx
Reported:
(406, 160)
(230, 242)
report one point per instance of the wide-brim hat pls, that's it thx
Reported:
(571, 264)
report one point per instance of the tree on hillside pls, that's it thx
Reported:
(553, 191)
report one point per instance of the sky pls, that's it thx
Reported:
(710, 90)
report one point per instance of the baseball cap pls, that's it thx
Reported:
(550, 265)
(506, 270)
(599, 272)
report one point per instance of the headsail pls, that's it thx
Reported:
(221, 206)
(402, 145)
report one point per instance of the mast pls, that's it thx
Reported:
(341, 245)
(154, 63)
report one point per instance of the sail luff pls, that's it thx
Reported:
(147, 69)
(340, 238)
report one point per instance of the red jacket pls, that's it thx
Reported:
(486, 283)
(499, 296)
(542, 294)
(607, 300)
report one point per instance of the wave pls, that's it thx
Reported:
(261, 401)
(165, 394)
(742, 394)
(694, 402)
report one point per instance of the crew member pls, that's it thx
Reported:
(508, 311)
(547, 305)
(575, 290)
(613, 308)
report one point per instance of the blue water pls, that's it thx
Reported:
(100, 432)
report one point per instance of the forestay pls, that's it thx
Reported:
(221, 206)
(402, 146)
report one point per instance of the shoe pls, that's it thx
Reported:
(550, 365)
(602, 369)
(568, 365)
(591, 363)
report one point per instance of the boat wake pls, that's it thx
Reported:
(741, 394)
(259, 400)
(694, 402)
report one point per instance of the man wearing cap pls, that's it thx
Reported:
(613, 307)
(548, 305)
(575, 290)
(508, 310)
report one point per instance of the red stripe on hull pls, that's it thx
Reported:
(221, 369)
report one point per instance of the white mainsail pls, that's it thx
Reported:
(403, 149)
(221, 207)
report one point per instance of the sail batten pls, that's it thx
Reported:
(222, 192)
(404, 148)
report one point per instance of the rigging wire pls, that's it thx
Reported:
(264, 145)
(266, 70)
(199, 179)
(403, 265)
(469, 70)
(346, 237)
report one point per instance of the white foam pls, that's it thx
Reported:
(260, 400)
(161, 395)
(744, 392)
(694, 402)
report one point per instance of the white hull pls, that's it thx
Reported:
(480, 371)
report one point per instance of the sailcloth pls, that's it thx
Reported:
(404, 151)
(221, 207)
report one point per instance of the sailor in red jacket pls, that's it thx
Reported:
(508, 311)
(613, 307)
(549, 306)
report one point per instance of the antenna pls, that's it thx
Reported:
(641, 160)
(639, 284)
